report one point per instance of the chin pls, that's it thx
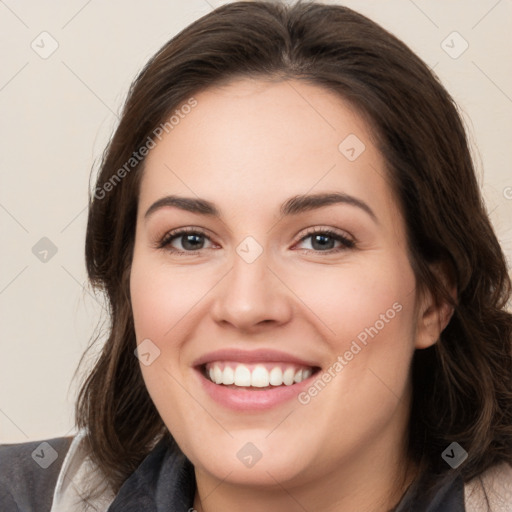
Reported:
(250, 458)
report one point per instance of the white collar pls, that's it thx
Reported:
(493, 489)
(76, 470)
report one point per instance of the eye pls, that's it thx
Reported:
(323, 240)
(190, 239)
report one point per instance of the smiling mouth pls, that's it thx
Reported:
(258, 376)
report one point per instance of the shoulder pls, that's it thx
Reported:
(29, 472)
(490, 491)
(52, 476)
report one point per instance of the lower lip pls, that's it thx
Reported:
(253, 399)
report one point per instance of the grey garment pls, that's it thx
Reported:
(163, 482)
(447, 496)
(29, 472)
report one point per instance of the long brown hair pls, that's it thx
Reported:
(462, 386)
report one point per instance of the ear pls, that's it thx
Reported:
(433, 318)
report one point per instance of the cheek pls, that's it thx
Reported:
(161, 298)
(161, 302)
(359, 300)
(367, 316)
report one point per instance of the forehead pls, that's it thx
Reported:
(254, 141)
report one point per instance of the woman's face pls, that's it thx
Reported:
(277, 334)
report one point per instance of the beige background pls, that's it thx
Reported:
(58, 112)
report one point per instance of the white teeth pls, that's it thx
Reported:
(242, 376)
(217, 374)
(288, 376)
(307, 373)
(260, 377)
(276, 376)
(228, 376)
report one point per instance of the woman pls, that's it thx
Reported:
(289, 230)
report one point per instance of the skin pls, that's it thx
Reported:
(248, 146)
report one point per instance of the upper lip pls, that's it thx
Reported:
(252, 356)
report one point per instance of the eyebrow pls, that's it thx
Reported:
(292, 206)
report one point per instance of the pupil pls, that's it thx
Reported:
(189, 239)
(317, 238)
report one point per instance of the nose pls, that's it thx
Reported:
(252, 295)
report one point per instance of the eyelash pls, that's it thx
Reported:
(166, 240)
